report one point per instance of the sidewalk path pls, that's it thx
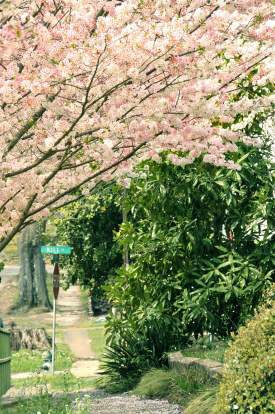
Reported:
(26, 375)
(70, 314)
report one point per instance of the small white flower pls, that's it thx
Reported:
(133, 73)
(235, 407)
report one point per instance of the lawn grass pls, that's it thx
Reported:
(43, 404)
(59, 382)
(206, 350)
(84, 300)
(31, 360)
(98, 340)
(176, 387)
(47, 404)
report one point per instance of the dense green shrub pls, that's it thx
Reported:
(133, 351)
(200, 243)
(248, 385)
(88, 226)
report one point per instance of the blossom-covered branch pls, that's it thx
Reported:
(88, 89)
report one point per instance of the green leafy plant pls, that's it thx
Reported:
(249, 375)
(88, 227)
(131, 352)
(200, 243)
(226, 291)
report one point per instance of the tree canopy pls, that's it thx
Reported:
(88, 90)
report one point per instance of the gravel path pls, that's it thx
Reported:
(97, 402)
(101, 403)
(132, 405)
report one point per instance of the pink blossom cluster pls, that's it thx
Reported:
(90, 88)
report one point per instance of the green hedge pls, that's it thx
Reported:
(248, 385)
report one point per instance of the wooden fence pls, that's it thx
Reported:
(5, 361)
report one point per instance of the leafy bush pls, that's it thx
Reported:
(225, 291)
(131, 352)
(88, 226)
(199, 260)
(249, 377)
(128, 356)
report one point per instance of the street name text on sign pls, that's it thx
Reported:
(56, 249)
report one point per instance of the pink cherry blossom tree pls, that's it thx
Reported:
(90, 88)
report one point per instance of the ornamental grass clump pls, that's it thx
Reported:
(248, 384)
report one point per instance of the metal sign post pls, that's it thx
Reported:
(55, 251)
(53, 339)
(56, 277)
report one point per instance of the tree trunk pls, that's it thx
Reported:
(29, 338)
(26, 268)
(32, 276)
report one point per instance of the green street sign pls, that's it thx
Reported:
(56, 249)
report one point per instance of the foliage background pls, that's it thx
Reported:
(200, 241)
(88, 226)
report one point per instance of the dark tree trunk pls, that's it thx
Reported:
(32, 276)
(29, 338)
